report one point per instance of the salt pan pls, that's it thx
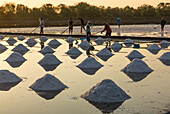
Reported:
(70, 40)
(2, 48)
(74, 51)
(43, 39)
(2, 37)
(47, 50)
(164, 44)
(54, 43)
(154, 48)
(104, 54)
(84, 45)
(116, 47)
(21, 49)
(135, 54)
(21, 37)
(165, 58)
(99, 41)
(31, 42)
(11, 41)
(128, 42)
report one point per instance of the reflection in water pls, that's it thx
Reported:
(90, 71)
(15, 64)
(8, 86)
(50, 67)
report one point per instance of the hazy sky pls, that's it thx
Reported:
(112, 3)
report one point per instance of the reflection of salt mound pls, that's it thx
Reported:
(8, 80)
(99, 41)
(164, 44)
(137, 70)
(84, 45)
(74, 51)
(154, 48)
(54, 43)
(2, 48)
(90, 66)
(70, 40)
(47, 50)
(21, 49)
(31, 42)
(165, 58)
(104, 54)
(43, 39)
(135, 54)
(116, 47)
(105, 91)
(2, 37)
(128, 42)
(11, 41)
(48, 83)
(21, 37)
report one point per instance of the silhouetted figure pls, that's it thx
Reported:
(163, 23)
(88, 30)
(82, 24)
(70, 25)
(41, 25)
(118, 22)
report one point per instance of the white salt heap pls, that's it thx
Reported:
(104, 54)
(46, 50)
(15, 57)
(105, 91)
(43, 39)
(165, 58)
(99, 41)
(137, 66)
(8, 77)
(73, 51)
(128, 42)
(48, 83)
(31, 42)
(2, 37)
(70, 40)
(21, 37)
(11, 41)
(21, 49)
(116, 47)
(54, 43)
(154, 48)
(2, 48)
(135, 54)
(84, 45)
(164, 44)
(49, 59)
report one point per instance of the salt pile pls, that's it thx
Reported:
(11, 41)
(21, 49)
(116, 47)
(154, 48)
(31, 42)
(164, 44)
(128, 42)
(165, 58)
(104, 54)
(49, 62)
(54, 43)
(74, 53)
(48, 83)
(43, 39)
(90, 66)
(135, 54)
(137, 70)
(2, 48)
(47, 50)
(70, 40)
(2, 37)
(99, 41)
(84, 45)
(8, 80)
(15, 59)
(21, 37)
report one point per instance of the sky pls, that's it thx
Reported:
(112, 3)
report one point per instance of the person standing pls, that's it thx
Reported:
(82, 24)
(88, 30)
(41, 25)
(163, 23)
(118, 22)
(70, 25)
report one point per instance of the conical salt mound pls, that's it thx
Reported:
(116, 47)
(99, 41)
(15, 57)
(70, 40)
(165, 58)
(104, 54)
(48, 83)
(21, 49)
(128, 42)
(74, 51)
(164, 44)
(47, 50)
(43, 39)
(2, 37)
(84, 45)
(11, 41)
(154, 48)
(54, 43)
(21, 37)
(135, 54)
(105, 91)
(31, 42)
(2, 48)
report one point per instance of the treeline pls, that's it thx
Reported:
(82, 9)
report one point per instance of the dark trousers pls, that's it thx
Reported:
(41, 30)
